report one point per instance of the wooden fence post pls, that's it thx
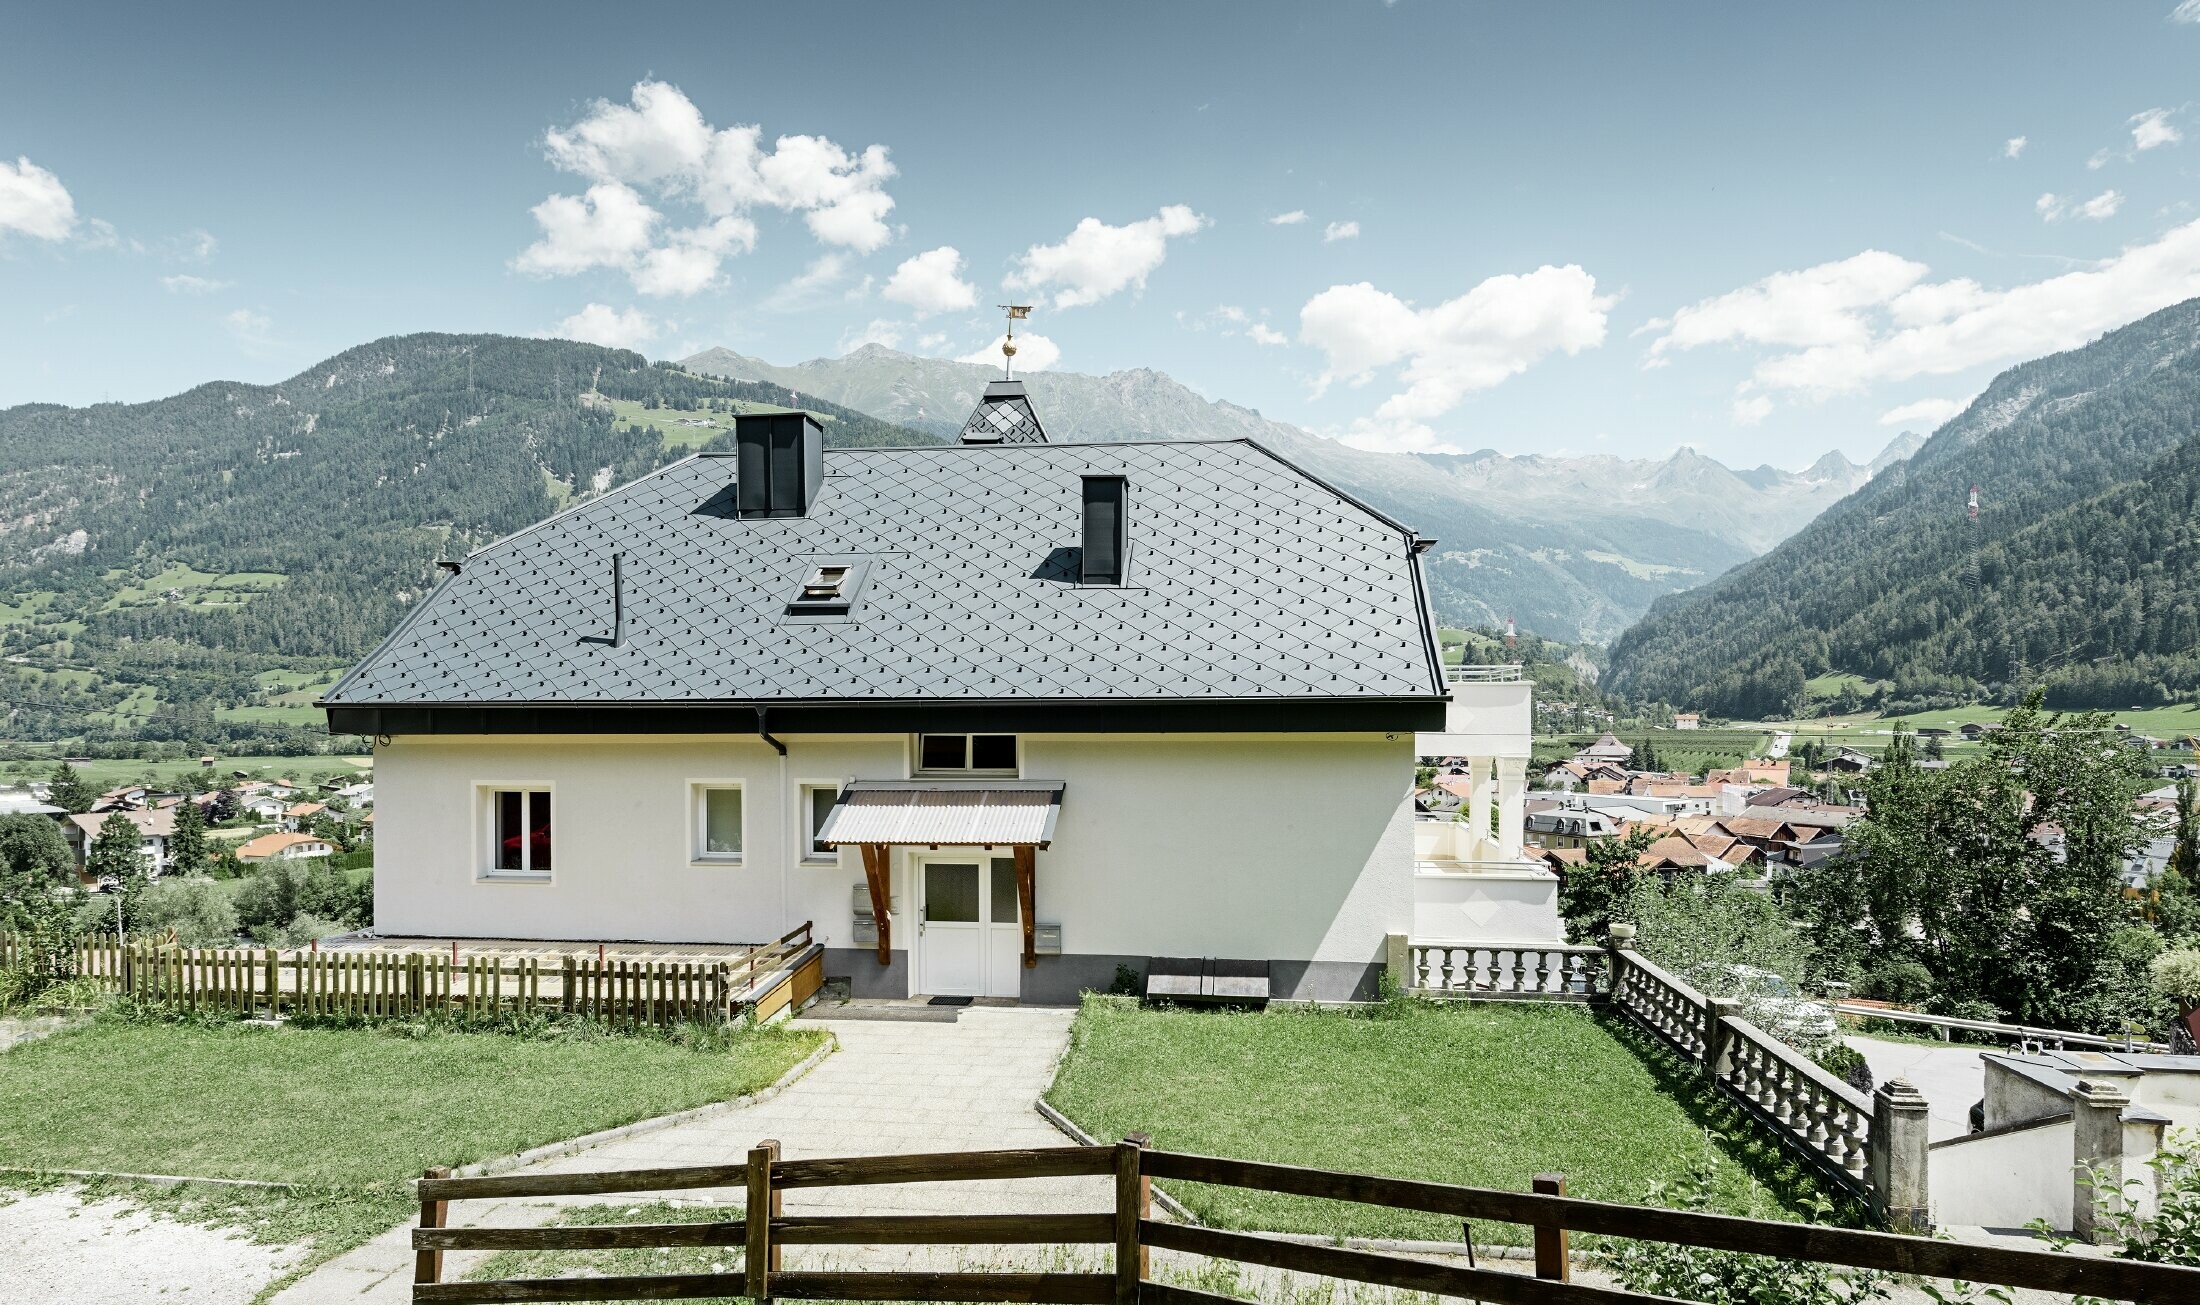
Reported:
(1141, 1208)
(764, 1205)
(1551, 1259)
(428, 1265)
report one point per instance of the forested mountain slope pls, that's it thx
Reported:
(2081, 571)
(162, 564)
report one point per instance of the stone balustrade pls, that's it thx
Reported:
(1817, 1110)
(1507, 969)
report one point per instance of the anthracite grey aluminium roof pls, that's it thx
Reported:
(1248, 580)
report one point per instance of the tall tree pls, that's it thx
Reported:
(117, 858)
(71, 791)
(1591, 896)
(187, 845)
(36, 866)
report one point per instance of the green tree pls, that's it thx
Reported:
(1999, 874)
(71, 791)
(36, 867)
(2184, 855)
(187, 850)
(1591, 896)
(117, 858)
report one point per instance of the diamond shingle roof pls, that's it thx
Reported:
(1248, 580)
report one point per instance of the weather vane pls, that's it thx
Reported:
(1016, 313)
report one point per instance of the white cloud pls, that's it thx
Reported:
(1749, 409)
(1034, 353)
(1263, 334)
(2014, 147)
(1096, 260)
(1298, 215)
(812, 285)
(2153, 128)
(2049, 206)
(1895, 326)
(183, 283)
(1820, 305)
(254, 332)
(1396, 437)
(1492, 332)
(613, 328)
(193, 246)
(1929, 413)
(658, 147)
(880, 332)
(2187, 11)
(2103, 205)
(34, 202)
(1336, 231)
(932, 283)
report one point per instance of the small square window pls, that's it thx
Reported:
(817, 803)
(718, 832)
(519, 832)
(968, 754)
(943, 752)
(993, 752)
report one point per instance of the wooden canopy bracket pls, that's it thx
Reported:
(1026, 892)
(877, 873)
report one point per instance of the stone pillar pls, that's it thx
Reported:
(1512, 806)
(1898, 1160)
(1478, 808)
(1621, 939)
(2096, 1156)
(1715, 1034)
(1398, 959)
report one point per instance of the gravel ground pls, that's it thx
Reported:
(63, 1250)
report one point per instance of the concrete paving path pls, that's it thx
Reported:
(892, 1087)
(1949, 1075)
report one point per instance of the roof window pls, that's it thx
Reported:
(829, 588)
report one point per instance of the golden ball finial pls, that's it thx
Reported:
(1008, 349)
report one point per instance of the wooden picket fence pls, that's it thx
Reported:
(272, 983)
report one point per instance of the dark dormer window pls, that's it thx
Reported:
(828, 588)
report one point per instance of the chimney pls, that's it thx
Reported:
(778, 463)
(1107, 537)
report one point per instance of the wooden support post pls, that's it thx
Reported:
(1551, 1260)
(1128, 1211)
(878, 874)
(763, 1205)
(1026, 900)
(428, 1265)
(1145, 1200)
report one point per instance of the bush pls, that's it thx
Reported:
(1731, 1277)
(1903, 981)
(277, 893)
(197, 908)
(1848, 1062)
(2175, 975)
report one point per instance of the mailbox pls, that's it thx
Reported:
(860, 902)
(1046, 939)
(866, 931)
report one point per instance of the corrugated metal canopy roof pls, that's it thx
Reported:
(1007, 813)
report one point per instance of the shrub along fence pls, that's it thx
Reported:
(1129, 1227)
(248, 981)
(1872, 1146)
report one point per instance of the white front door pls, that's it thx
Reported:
(969, 935)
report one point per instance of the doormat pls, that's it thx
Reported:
(948, 1001)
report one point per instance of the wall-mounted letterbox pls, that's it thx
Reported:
(866, 931)
(860, 901)
(1046, 939)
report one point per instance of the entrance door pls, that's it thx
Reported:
(970, 937)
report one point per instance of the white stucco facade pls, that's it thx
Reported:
(1293, 848)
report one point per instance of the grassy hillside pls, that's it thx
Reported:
(193, 570)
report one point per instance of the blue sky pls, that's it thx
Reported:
(1762, 231)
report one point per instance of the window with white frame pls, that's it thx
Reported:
(817, 803)
(966, 754)
(718, 822)
(517, 822)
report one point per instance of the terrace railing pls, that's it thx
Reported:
(1508, 969)
(765, 1231)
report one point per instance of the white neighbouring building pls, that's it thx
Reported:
(996, 717)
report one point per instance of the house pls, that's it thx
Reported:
(286, 846)
(1756, 770)
(1686, 720)
(1848, 761)
(155, 828)
(129, 797)
(983, 713)
(266, 807)
(1607, 748)
(297, 815)
(1569, 827)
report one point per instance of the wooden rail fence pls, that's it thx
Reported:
(270, 982)
(1131, 1230)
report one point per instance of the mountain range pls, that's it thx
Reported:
(1574, 548)
(2047, 535)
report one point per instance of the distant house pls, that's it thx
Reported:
(126, 798)
(1686, 720)
(1570, 827)
(1607, 748)
(1933, 732)
(1756, 770)
(154, 830)
(265, 806)
(1974, 730)
(1849, 761)
(287, 846)
(297, 816)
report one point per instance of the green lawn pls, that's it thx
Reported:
(349, 1115)
(1482, 1094)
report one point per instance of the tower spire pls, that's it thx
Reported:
(1016, 313)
